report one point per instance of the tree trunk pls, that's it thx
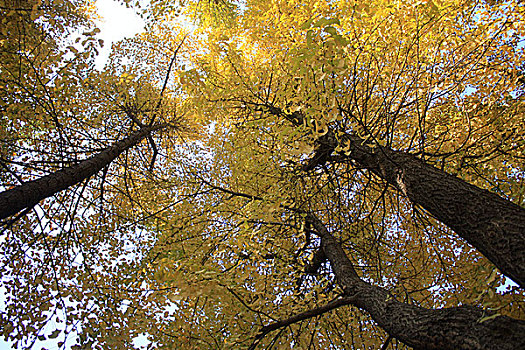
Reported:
(448, 328)
(493, 225)
(30, 193)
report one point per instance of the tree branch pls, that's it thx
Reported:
(490, 223)
(464, 327)
(341, 301)
(31, 192)
(165, 84)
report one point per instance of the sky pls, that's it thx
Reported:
(117, 22)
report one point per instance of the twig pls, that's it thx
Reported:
(387, 342)
(165, 84)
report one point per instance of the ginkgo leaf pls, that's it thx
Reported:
(324, 22)
(54, 334)
(487, 318)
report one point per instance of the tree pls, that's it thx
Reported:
(69, 130)
(358, 154)
(30, 193)
(49, 96)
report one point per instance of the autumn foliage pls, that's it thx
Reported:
(264, 175)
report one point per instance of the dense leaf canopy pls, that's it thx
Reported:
(239, 164)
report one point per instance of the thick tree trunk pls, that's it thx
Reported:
(30, 193)
(493, 225)
(448, 328)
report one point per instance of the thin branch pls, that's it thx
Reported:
(233, 193)
(11, 222)
(341, 301)
(387, 342)
(165, 84)
(155, 153)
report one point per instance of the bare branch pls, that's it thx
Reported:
(341, 301)
(155, 153)
(166, 78)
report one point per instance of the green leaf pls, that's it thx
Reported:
(492, 276)
(307, 24)
(331, 30)
(309, 37)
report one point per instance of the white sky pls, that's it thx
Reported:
(118, 22)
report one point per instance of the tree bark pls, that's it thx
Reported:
(30, 193)
(456, 328)
(493, 225)
(447, 328)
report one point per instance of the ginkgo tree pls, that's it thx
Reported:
(63, 126)
(355, 181)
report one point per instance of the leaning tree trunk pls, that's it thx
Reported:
(493, 225)
(30, 193)
(457, 328)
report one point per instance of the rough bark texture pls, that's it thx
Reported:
(448, 328)
(30, 193)
(493, 225)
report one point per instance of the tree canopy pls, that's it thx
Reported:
(264, 175)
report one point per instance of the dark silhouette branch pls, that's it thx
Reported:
(318, 259)
(387, 343)
(166, 78)
(155, 153)
(341, 301)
